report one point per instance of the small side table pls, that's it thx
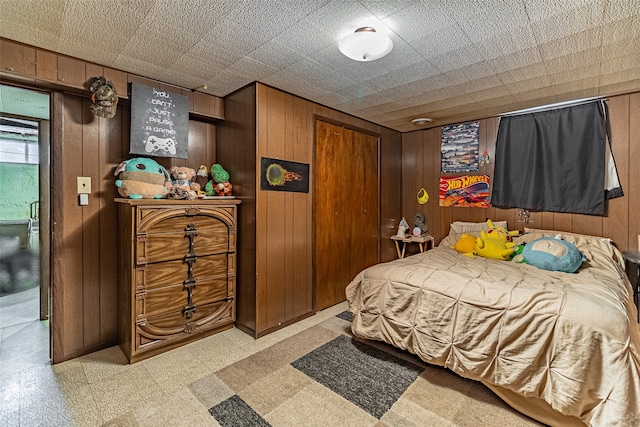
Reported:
(632, 261)
(422, 240)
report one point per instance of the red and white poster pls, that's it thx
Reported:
(469, 191)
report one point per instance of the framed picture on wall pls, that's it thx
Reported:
(159, 122)
(282, 175)
(459, 147)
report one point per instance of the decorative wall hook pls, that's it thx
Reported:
(484, 159)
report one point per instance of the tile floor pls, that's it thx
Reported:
(103, 389)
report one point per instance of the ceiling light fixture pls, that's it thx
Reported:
(365, 45)
(421, 121)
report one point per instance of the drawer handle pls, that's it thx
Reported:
(190, 308)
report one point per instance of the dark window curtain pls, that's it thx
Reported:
(552, 160)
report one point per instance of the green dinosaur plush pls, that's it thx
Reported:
(218, 173)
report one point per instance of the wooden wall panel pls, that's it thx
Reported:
(91, 247)
(275, 279)
(632, 190)
(621, 223)
(236, 151)
(390, 190)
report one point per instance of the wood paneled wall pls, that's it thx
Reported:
(421, 168)
(84, 248)
(276, 228)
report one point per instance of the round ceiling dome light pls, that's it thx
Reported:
(421, 121)
(365, 45)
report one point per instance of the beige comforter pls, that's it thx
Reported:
(569, 339)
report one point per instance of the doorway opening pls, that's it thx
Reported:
(25, 338)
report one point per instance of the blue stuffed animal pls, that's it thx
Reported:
(554, 254)
(141, 178)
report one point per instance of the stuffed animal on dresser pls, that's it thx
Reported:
(181, 179)
(141, 178)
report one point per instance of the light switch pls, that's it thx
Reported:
(84, 199)
(84, 185)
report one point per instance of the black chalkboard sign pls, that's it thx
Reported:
(159, 122)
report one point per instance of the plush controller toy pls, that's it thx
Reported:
(466, 245)
(141, 178)
(495, 243)
(181, 177)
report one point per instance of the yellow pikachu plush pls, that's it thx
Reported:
(496, 243)
(466, 245)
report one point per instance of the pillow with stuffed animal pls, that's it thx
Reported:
(458, 228)
(550, 253)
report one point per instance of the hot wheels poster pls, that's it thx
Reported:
(470, 191)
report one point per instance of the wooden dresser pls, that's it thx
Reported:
(176, 277)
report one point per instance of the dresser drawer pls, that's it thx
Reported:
(173, 242)
(174, 322)
(174, 298)
(168, 273)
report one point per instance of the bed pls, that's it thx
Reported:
(561, 348)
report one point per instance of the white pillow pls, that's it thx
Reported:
(458, 228)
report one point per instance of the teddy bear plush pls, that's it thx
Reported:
(141, 178)
(181, 179)
(496, 243)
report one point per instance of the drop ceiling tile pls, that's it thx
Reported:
(340, 18)
(520, 59)
(100, 52)
(621, 49)
(487, 24)
(403, 76)
(588, 39)
(622, 29)
(439, 85)
(621, 9)
(469, 73)
(623, 64)
(523, 73)
(418, 20)
(138, 66)
(529, 85)
(275, 54)
(587, 59)
(47, 16)
(228, 82)
(620, 76)
(536, 97)
(384, 8)
(518, 40)
(196, 65)
(484, 84)
(540, 10)
(566, 24)
(440, 42)
(206, 49)
(482, 95)
(456, 59)
(251, 68)
(304, 37)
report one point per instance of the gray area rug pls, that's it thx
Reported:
(234, 412)
(366, 376)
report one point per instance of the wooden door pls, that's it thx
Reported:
(346, 209)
